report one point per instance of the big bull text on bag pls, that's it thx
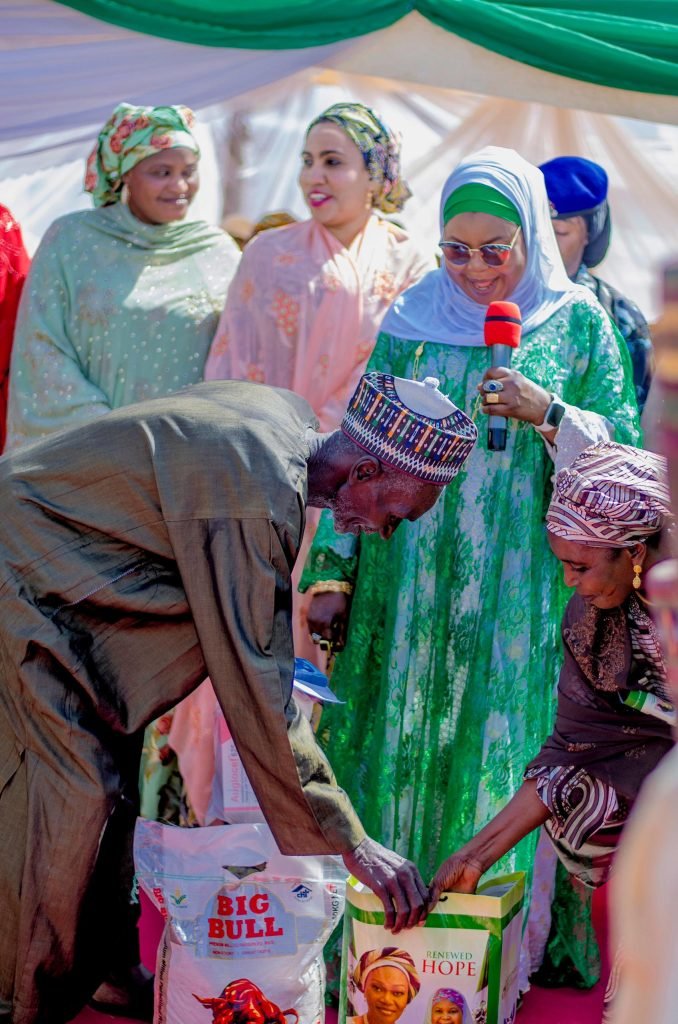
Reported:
(460, 967)
(245, 925)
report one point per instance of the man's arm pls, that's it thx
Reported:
(237, 581)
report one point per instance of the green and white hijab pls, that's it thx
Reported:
(436, 309)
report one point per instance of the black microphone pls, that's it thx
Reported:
(503, 325)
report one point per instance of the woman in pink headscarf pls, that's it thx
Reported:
(304, 309)
(607, 524)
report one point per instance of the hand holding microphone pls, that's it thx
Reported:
(507, 393)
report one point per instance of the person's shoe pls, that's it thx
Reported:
(130, 995)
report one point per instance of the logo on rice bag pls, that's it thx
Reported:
(243, 1002)
(249, 920)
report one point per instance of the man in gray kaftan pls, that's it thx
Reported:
(138, 554)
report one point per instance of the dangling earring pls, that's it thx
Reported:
(636, 579)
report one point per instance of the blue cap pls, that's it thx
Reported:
(311, 681)
(577, 187)
(574, 185)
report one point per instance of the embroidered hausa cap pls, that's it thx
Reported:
(410, 425)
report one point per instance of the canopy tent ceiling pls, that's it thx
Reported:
(62, 71)
(619, 43)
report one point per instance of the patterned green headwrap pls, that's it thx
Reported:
(477, 198)
(128, 137)
(379, 146)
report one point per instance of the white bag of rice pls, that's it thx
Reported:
(245, 925)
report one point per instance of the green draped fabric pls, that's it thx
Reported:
(620, 43)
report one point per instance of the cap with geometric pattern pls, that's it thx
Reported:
(410, 425)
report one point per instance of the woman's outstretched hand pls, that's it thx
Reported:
(459, 873)
(462, 870)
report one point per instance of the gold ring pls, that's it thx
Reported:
(493, 398)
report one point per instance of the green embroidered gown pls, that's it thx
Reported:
(453, 647)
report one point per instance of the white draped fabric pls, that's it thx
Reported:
(61, 71)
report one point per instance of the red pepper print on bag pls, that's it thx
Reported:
(242, 1002)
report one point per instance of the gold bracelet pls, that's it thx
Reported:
(330, 587)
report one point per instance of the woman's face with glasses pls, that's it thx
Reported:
(486, 258)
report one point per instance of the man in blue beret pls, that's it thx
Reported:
(577, 191)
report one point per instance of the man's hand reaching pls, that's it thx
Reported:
(394, 880)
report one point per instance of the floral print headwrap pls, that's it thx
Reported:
(129, 136)
(379, 146)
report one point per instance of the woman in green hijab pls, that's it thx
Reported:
(453, 647)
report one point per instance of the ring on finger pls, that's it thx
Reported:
(490, 386)
(493, 399)
(316, 638)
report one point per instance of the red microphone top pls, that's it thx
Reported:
(503, 324)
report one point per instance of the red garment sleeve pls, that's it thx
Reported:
(14, 264)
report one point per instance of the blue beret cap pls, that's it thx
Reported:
(578, 188)
(574, 185)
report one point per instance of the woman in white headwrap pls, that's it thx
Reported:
(453, 648)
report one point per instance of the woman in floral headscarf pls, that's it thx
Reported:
(303, 313)
(305, 306)
(120, 305)
(122, 300)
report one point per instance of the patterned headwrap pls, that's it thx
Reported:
(389, 956)
(379, 146)
(128, 137)
(453, 996)
(410, 425)
(612, 496)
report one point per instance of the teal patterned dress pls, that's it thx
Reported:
(453, 647)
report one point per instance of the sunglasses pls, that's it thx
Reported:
(495, 254)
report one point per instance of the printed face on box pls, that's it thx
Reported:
(447, 1011)
(386, 995)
